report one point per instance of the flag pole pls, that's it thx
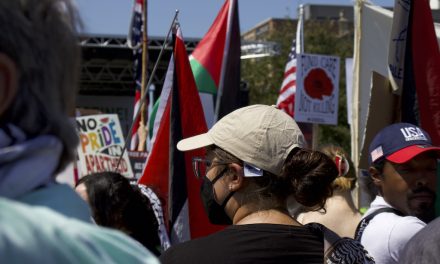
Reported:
(300, 50)
(142, 132)
(142, 100)
(224, 65)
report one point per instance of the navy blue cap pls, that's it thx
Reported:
(399, 143)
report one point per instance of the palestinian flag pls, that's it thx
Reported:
(215, 63)
(169, 171)
(426, 67)
(415, 63)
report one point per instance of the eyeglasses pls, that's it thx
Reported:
(201, 166)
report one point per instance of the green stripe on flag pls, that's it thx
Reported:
(204, 81)
(152, 118)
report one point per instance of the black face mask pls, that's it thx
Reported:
(216, 212)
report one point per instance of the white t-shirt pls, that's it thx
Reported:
(386, 235)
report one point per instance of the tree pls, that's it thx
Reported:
(326, 37)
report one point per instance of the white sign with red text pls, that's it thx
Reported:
(317, 90)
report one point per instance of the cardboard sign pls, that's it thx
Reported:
(317, 91)
(382, 112)
(101, 144)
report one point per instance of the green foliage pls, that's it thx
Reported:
(265, 75)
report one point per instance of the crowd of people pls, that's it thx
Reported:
(281, 201)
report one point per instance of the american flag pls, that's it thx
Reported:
(286, 97)
(135, 41)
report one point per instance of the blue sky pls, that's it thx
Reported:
(195, 16)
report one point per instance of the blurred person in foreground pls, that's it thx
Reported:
(339, 213)
(42, 221)
(424, 247)
(403, 166)
(255, 159)
(115, 203)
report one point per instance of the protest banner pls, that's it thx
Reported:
(101, 144)
(317, 89)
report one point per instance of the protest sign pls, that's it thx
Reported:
(317, 91)
(101, 144)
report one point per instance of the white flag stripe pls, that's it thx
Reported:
(289, 78)
(290, 65)
(285, 95)
(164, 97)
(287, 87)
(134, 137)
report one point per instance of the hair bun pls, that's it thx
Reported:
(311, 174)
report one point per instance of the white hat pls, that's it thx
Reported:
(260, 135)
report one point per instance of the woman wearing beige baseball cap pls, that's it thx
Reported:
(256, 159)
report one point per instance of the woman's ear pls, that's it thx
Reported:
(8, 82)
(236, 177)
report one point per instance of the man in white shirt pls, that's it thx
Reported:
(403, 166)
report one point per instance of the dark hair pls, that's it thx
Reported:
(311, 174)
(116, 204)
(307, 175)
(379, 165)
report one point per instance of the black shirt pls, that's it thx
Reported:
(254, 243)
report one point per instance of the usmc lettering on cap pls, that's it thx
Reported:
(413, 133)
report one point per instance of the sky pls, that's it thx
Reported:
(112, 17)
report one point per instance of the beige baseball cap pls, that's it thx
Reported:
(260, 135)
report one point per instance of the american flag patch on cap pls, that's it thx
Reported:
(376, 154)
